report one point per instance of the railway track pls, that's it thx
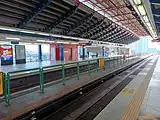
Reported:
(85, 103)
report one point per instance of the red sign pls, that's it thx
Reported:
(156, 40)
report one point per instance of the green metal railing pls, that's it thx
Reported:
(7, 76)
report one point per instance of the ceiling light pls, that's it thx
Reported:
(45, 34)
(141, 9)
(4, 42)
(145, 18)
(63, 42)
(28, 32)
(40, 40)
(149, 26)
(10, 38)
(137, 2)
(7, 29)
(75, 43)
(50, 41)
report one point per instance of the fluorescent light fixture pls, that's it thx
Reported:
(8, 29)
(137, 2)
(50, 41)
(40, 40)
(149, 25)
(74, 43)
(27, 32)
(4, 42)
(141, 9)
(45, 34)
(145, 18)
(10, 38)
(63, 42)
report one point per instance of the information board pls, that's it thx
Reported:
(20, 52)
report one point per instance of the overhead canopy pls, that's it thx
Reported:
(67, 17)
(155, 6)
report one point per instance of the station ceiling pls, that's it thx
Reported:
(72, 18)
(155, 6)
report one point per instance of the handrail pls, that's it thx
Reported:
(7, 94)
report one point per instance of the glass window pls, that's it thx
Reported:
(45, 52)
(31, 53)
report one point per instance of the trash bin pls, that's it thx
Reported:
(1, 83)
(101, 62)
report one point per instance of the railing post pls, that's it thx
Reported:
(109, 63)
(5, 88)
(41, 75)
(7, 94)
(63, 74)
(121, 60)
(89, 69)
(113, 62)
(97, 66)
(78, 74)
(117, 61)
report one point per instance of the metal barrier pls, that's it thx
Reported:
(7, 76)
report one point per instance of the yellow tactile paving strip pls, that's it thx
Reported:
(133, 108)
(149, 117)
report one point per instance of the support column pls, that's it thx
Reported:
(103, 51)
(83, 52)
(52, 51)
(39, 52)
(61, 52)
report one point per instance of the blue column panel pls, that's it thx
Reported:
(61, 52)
(39, 52)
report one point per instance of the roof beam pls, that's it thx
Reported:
(90, 35)
(105, 36)
(39, 8)
(99, 23)
(80, 23)
(101, 33)
(61, 19)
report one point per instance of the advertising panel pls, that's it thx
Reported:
(6, 53)
(20, 54)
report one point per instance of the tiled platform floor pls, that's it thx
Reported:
(30, 100)
(116, 109)
(150, 108)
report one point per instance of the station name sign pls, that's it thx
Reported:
(156, 40)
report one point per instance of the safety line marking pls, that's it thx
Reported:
(133, 108)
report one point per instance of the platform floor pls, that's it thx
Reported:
(127, 105)
(32, 65)
(28, 101)
(150, 108)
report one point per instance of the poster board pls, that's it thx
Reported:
(6, 54)
(20, 54)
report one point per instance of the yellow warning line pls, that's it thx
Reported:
(133, 108)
